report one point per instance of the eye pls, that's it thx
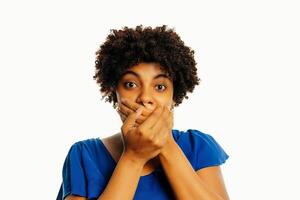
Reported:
(161, 87)
(129, 84)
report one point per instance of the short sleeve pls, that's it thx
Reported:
(206, 151)
(74, 181)
(83, 171)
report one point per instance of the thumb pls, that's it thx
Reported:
(131, 119)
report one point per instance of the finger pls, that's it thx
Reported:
(162, 121)
(164, 125)
(130, 105)
(134, 106)
(125, 112)
(138, 121)
(152, 119)
(162, 134)
(130, 121)
(171, 120)
(125, 109)
(122, 115)
(141, 119)
(163, 128)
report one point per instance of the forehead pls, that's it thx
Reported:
(146, 70)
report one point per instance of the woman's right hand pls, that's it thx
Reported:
(144, 142)
(125, 108)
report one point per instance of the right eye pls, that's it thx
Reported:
(129, 84)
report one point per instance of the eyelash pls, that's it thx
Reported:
(125, 84)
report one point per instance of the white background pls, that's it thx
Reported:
(248, 59)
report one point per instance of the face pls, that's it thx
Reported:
(147, 85)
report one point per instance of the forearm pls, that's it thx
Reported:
(127, 173)
(185, 182)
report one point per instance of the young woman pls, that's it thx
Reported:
(145, 73)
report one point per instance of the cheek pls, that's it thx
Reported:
(121, 93)
(167, 103)
(165, 100)
(118, 96)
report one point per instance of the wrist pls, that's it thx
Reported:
(168, 148)
(133, 160)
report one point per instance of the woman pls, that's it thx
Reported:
(145, 72)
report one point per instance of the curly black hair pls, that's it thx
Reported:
(127, 47)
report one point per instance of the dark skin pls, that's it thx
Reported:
(146, 87)
(211, 175)
(146, 134)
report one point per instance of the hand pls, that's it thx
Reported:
(145, 141)
(125, 108)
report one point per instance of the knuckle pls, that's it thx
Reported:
(156, 143)
(140, 130)
(139, 121)
(128, 112)
(149, 139)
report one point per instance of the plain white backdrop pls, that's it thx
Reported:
(247, 55)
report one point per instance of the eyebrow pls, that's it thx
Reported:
(136, 74)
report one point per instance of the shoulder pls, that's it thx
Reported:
(84, 144)
(92, 147)
(200, 148)
(193, 138)
(84, 148)
(94, 142)
(189, 132)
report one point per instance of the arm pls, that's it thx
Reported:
(127, 172)
(212, 176)
(188, 184)
(130, 165)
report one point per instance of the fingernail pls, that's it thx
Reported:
(147, 106)
(139, 110)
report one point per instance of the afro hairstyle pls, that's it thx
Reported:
(128, 47)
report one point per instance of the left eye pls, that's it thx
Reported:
(161, 87)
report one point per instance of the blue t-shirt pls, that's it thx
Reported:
(89, 166)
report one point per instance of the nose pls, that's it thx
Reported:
(145, 98)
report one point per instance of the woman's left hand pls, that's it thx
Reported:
(126, 107)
